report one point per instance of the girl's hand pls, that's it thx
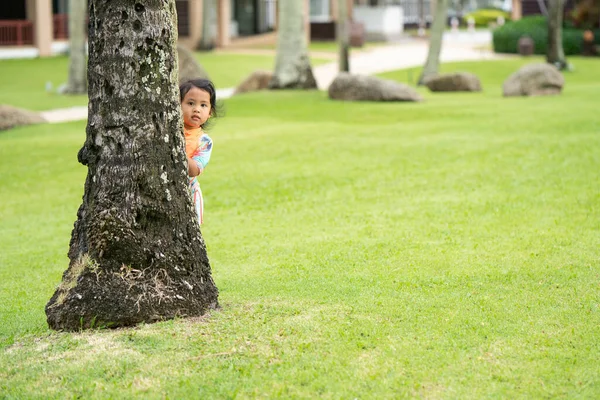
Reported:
(193, 169)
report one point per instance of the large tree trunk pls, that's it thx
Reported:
(435, 41)
(77, 83)
(208, 16)
(292, 64)
(343, 36)
(136, 252)
(556, 54)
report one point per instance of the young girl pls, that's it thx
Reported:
(198, 104)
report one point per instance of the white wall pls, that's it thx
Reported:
(381, 22)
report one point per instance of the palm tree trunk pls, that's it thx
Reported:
(208, 14)
(343, 36)
(136, 252)
(77, 83)
(422, 22)
(435, 41)
(292, 63)
(555, 54)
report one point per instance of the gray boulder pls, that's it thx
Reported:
(369, 88)
(258, 80)
(11, 117)
(539, 79)
(189, 68)
(455, 82)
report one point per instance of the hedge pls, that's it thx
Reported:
(506, 38)
(485, 17)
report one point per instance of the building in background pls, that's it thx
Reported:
(231, 19)
(35, 23)
(42, 25)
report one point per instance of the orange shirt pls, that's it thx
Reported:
(192, 140)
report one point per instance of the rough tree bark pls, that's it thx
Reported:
(292, 64)
(207, 42)
(343, 36)
(435, 41)
(77, 83)
(136, 252)
(556, 54)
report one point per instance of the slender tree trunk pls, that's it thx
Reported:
(136, 252)
(208, 14)
(435, 41)
(343, 36)
(422, 22)
(555, 54)
(292, 63)
(77, 83)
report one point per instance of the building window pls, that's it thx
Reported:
(60, 7)
(319, 11)
(183, 16)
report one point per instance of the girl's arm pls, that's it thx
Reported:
(193, 169)
(201, 156)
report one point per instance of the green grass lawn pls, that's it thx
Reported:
(229, 69)
(493, 74)
(446, 249)
(23, 81)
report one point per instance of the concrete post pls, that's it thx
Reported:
(40, 12)
(333, 10)
(195, 22)
(517, 10)
(223, 22)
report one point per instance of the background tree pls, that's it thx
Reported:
(77, 83)
(555, 53)
(292, 63)
(436, 37)
(208, 17)
(343, 36)
(422, 22)
(136, 252)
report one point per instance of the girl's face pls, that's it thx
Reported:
(196, 108)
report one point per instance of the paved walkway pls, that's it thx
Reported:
(460, 46)
(81, 112)
(408, 53)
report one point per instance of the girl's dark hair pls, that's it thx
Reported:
(208, 87)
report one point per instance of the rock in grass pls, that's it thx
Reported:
(539, 79)
(454, 82)
(258, 80)
(11, 117)
(369, 88)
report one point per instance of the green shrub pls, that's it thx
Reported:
(484, 17)
(506, 38)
